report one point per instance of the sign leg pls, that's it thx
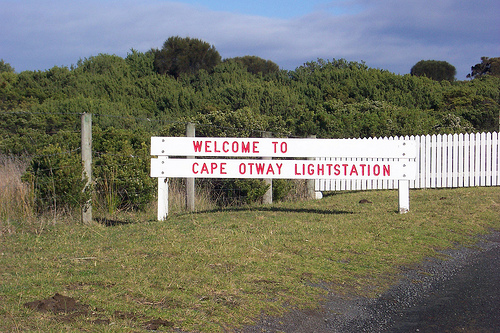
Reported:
(162, 199)
(404, 196)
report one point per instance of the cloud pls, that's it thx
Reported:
(388, 34)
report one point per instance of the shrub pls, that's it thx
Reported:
(56, 175)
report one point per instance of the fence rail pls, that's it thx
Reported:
(455, 160)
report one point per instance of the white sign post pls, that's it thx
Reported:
(396, 160)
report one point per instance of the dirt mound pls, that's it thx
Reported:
(67, 310)
(57, 304)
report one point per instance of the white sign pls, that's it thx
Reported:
(285, 169)
(394, 160)
(283, 148)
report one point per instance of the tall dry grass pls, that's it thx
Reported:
(177, 197)
(16, 196)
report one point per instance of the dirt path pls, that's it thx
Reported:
(461, 294)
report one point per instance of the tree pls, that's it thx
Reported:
(487, 66)
(185, 55)
(141, 64)
(255, 64)
(435, 70)
(6, 67)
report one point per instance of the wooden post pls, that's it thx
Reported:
(404, 196)
(87, 165)
(162, 195)
(268, 196)
(310, 183)
(190, 182)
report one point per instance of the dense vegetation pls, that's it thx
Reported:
(144, 94)
(433, 69)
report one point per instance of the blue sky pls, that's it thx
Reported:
(278, 9)
(386, 34)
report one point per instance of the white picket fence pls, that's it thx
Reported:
(458, 160)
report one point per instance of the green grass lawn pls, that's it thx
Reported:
(214, 271)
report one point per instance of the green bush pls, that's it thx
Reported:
(281, 188)
(121, 169)
(56, 175)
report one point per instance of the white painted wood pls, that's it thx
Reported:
(449, 161)
(433, 155)
(460, 157)
(454, 161)
(428, 161)
(277, 147)
(488, 165)
(282, 169)
(495, 175)
(482, 159)
(404, 196)
(439, 160)
(477, 159)
(461, 160)
(162, 195)
(467, 161)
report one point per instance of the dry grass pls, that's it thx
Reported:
(177, 197)
(16, 196)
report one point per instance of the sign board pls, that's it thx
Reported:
(284, 169)
(354, 159)
(282, 148)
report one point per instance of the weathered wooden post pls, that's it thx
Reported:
(190, 182)
(268, 196)
(87, 165)
(310, 183)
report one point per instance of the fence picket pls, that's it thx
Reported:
(482, 159)
(458, 160)
(428, 159)
(488, 166)
(460, 157)
(439, 160)
(450, 161)
(467, 163)
(495, 176)
(477, 159)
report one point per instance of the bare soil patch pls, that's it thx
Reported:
(67, 309)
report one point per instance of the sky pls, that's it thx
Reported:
(391, 35)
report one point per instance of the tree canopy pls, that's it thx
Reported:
(435, 70)
(256, 65)
(487, 66)
(5, 67)
(185, 55)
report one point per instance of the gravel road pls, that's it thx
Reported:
(459, 294)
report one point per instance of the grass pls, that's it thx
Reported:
(15, 196)
(215, 271)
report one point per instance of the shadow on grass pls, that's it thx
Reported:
(281, 210)
(334, 193)
(112, 222)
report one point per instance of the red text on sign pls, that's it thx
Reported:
(209, 168)
(254, 168)
(283, 147)
(351, 170)
(226, 147)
